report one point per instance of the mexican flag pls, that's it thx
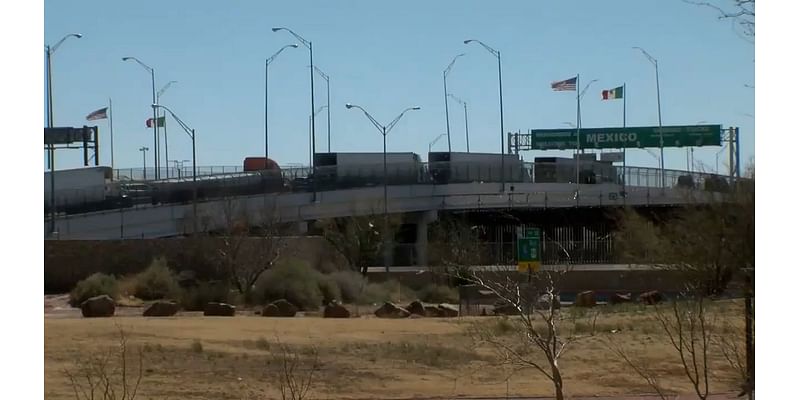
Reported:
(612, 94)
(161, 121)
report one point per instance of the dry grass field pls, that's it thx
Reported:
(195, 357)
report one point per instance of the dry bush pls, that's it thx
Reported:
(95, 285)
(109, 374)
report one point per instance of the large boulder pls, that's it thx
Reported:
(161, 309)
(585, 299)
(279, 308)
(432, 310)
(651, 297)
(620, 298)
(335, 310)
(390, 310)
(447, 310)
(98, 306)
(219, 310)
(505, 308)
(543, 303)
(416, 308)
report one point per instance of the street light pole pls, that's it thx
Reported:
(155, 115)
(430, 145)
(266, 96)
(166, 145)
(496, 53)
(52, 147)
(328, 85)
(144, 161)
(311, 59)
(466, 122)
(446, 107)
(658, 99)
(384, 129)
(190, 132)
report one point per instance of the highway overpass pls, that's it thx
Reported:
(156, 221)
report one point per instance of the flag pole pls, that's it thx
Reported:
(111, 131)
(624, 153)
(166, 146)
(578, 137)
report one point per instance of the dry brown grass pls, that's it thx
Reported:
(364, 358)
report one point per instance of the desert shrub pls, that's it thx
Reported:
(95, 285)
(295, 281)
(329, 289)
(156, 282)
(433, 293)
(351, 284)
(390, 290)
(197, 346)
(196, 298)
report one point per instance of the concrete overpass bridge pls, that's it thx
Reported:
(417, 201)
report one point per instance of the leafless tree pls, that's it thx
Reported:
(541, 333)
(740, 12)
(455, 246)
(107, 375)
(248, 248)
(359, 239)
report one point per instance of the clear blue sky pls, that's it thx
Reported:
(386, 56)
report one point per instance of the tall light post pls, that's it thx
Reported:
(266, 95)
(466, 121)
(446, 107)
(311, 59)
(310, 123)
(166, 145)
(49, 50)
(658, 99)
(190, 132)
(502, 129)
(433, 142)
(144, 149)
(155, 101)
(328, 84)
(384, 129)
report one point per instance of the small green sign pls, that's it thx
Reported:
(631, 137)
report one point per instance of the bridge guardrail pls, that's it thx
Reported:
(238, 183)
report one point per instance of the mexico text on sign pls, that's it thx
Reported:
(632, 137)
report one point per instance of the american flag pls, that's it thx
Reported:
(98, 114)
(565, 85)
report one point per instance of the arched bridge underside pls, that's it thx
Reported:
(181, 219)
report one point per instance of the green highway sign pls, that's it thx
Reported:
(631, 137)
(528, 249)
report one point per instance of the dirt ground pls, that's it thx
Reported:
(194, 357)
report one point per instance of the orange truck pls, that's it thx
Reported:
(252, 164)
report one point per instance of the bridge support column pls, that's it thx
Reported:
(421, 244)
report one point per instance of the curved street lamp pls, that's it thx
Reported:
(266, 95)
(155, 114)
(166, 142)
(446, 108)
(496, 53)
(49, 50)
(190, 132)
(466, 121)
(658, 99)
(328, 85)
(430, 145)
(384, 129)
(311, 59)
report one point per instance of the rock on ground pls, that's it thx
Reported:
(585, 299)
(651, 297)
(390, 310)
(280, 308)
(161, 309)
(335, 310)
(416, 308)
(447, 310)
(219, 310)
(98, 306)
(620, 298)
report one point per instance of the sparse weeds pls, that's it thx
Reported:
(197, 346)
